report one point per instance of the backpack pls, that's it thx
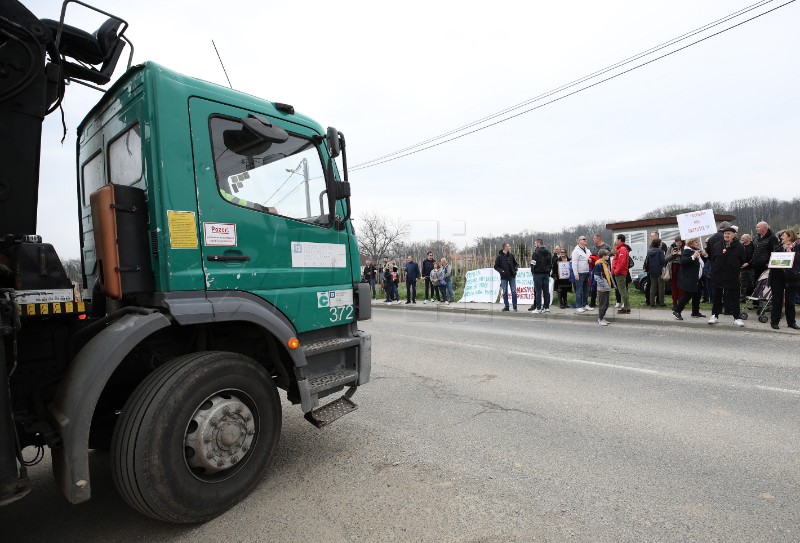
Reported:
(630, 261)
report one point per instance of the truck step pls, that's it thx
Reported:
(327, 345)
(322, 416)
(331, 380)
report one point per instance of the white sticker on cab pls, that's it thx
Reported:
(334, 298)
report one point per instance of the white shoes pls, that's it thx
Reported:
(536, 311)
(602, 322)
(580, 310)
(616, 306)
(738, 322)
(713, 320)
(589, 308)
(546, 310)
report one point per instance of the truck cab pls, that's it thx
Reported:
(219, 265)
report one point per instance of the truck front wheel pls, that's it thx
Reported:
(196, 436)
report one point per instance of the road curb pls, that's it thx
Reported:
(637, 316)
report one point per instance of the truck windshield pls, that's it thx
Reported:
(286, 179)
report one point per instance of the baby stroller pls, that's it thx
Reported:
(761, 299)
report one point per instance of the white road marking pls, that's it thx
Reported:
(549, 358)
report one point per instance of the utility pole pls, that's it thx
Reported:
(305, 181)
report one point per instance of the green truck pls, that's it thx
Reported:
(217, 245)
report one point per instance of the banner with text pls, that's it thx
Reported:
(697, 224)
(483, 285)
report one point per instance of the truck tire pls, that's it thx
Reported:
(196, 436)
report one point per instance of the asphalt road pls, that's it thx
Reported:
(503, 428)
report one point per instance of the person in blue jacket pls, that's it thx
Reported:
(412, 276)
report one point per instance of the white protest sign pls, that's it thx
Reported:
(781, 260)
(563, 270)
(524, 288)
(481, 286)
(697, 224)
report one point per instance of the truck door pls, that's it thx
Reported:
(263, 217)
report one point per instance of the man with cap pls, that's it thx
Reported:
(727, 257)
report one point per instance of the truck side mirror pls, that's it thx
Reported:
(333, 142)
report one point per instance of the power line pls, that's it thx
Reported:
(402, 152)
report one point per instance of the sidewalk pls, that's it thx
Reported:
(644, 315)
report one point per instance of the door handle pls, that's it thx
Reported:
(228, 258)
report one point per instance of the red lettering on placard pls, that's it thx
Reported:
(219, 230)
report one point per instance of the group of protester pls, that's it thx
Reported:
(437, 274)
(727, 269)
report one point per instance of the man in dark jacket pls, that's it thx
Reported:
(764, 243)
(427, 266)
(412, 276)
(712, 242)
(370, 276)
(506, 265)
(541, 263)
(727, 258)
(654, 263)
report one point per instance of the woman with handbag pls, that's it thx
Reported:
(784, 282)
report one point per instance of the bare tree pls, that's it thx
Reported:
(419, 249)
(377, 233)
(72, 267)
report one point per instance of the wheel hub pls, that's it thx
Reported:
(219, 435)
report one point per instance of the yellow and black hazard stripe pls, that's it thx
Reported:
(52, 309)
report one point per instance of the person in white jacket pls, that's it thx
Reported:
(580, 269)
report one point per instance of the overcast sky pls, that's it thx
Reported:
(717, 121)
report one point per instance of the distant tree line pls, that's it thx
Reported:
(779, 214)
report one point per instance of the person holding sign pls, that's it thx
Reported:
(727, 258)
(561, 277)
(764, 244)
(784, 282)
(690, 272)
